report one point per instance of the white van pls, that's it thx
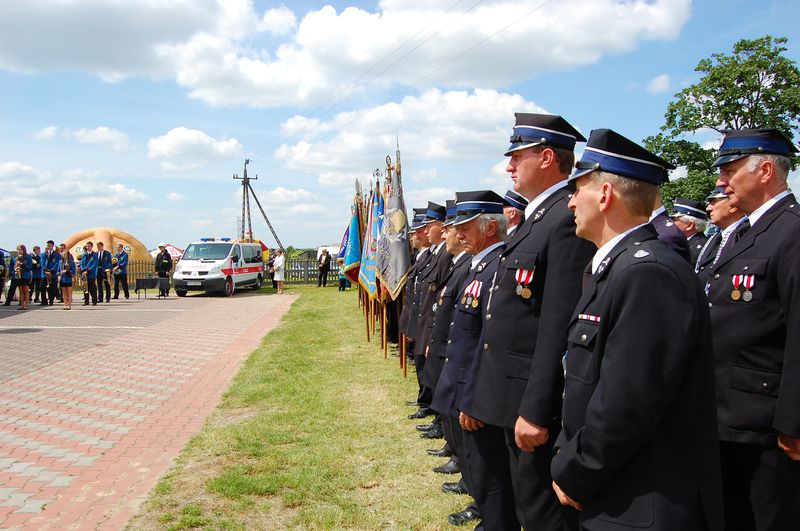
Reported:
(218, 265)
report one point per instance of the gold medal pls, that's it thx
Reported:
(475, 303)
(519, 289)
(736, 295)
(464, 299)
(526, 293)
(747, 296)
(440, 301)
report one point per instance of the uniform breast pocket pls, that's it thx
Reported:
(582, 363)
(468, 318)
(748, 279)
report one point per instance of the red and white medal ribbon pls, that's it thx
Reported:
(523, 276)
(749, 281)
(476, 288)
(737, 281)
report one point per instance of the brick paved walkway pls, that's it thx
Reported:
(95, 403)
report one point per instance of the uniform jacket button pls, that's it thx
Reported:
(765, 385)
(583, 337)
(716, 276)
(488, 316)
(486, 346)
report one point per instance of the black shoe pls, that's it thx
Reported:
(115, 297)
(86, 304)
(426, 427)
(421, 413)
(7, 304)
(451, 467)
(441, 452)
(411, 403)
(435, 433)
(454, 487)
(462, 517)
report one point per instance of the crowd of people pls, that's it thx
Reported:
(44, 276)
(595, 362)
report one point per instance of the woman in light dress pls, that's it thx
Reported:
(279, 266)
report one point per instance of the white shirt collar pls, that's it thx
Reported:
(456, 258)
(760, 211)
(660, 210)
(481, 255)
(604, 251)
(534, 203)
(420, 253)
(437, 247)
(510, 230)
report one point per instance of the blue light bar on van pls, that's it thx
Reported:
(206, 239)
(225, 239)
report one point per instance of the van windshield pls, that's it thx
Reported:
(207, 251)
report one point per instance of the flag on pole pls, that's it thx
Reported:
(352, 255)
(394, 259)
(367, 273)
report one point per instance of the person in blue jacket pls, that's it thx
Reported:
(89, 273)
(51, 263)
(119, 266)
(66, 274)
(103, 273)
(37, 273)
(2, 272)
(23, 267)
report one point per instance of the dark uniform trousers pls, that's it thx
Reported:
(639, 447)
(120, 279)
(756, 338)
(525, 340)
(91, 291)
(672, 235)
(484, 450)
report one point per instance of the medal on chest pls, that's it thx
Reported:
(472, 294)
(523, 278)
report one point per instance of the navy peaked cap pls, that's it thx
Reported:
(611, 152)
(688, 207)
(542, 129)
(470, 205)
(744, 142)
(450, 205)
(435, 212)
(513, 199)
(718, 193)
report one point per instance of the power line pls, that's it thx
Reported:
(336, 102)
(430, 74)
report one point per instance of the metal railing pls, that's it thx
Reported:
(297, 272)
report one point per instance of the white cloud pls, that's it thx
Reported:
(280, 21)
(45, 133)
(420, 197)
(76, 199)
(659, 84)
(175, 197)
(446, 126)
(113, 139)
(183, 149)
(226, 53)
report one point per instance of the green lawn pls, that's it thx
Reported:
(312, 434)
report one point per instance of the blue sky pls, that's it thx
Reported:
(135, 115)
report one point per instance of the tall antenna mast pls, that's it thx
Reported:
(246, 233)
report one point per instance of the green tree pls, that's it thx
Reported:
(756, 86)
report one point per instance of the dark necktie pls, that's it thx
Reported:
(740, 232)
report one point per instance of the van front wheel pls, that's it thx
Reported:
(228, 287)
(259, 283)
(180, 292)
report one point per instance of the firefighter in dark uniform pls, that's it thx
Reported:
(435, 214)
(666, 228)
(104, 260)
(419, 248)
(691, 219)
(163, 265)
(638, 448)
(514, 210)
(481, 227)
(444, 306)
(727, 219)
(428, 282)
(755, 314)
(534, 293)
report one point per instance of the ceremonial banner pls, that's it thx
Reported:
(367, 273)
(343, 245)
(394, 259)
(352, 255)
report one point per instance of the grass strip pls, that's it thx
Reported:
(312, 434)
